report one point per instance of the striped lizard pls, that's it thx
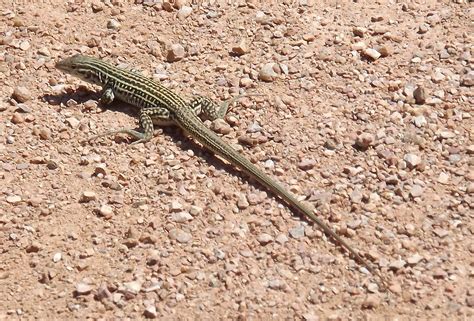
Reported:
(159, 105)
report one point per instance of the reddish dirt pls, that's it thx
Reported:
(366, 113)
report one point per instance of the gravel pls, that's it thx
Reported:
(365, 113)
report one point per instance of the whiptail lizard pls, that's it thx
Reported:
(160, 105)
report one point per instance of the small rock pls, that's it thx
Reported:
(25, 45)
(359, 31)
(419, 95)
(73, 122)
(371, 53)
(385, 51)
(106, 211)
(276, 284)
(17, 118)
(133, 287)
(414, 259)
(13, 199)
(44, 51)
(468, 79)
(297, 232)
(372, 301)
(443, 178)
(306, 164)
(423, 28)
(445, 134)
(241, 48)
(416, 191)
(397, 265)
(437, 77)
(364, 140)
(356, 196)
(57, 257)
(44, 133)
(34, 247)
(267, 72)
(420, 121)
(242, 202)
(88, 196)
(395, 288)
(184, 12)
(181, 217)
(470, 188)
(180, 236)
(264, 238)
(21, 94)
(176, 206)
(281, 239)
(83, 288)
(150, 312)
(113, 24)
(412, 160)
(175, 53)
(220, 126)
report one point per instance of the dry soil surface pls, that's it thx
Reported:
(366, 113)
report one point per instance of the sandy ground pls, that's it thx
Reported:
(366, 114)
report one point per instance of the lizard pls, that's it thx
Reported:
(159, 105)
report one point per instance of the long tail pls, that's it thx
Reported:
(213, 142)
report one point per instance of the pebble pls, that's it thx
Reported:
(180, 235)
(57, 257)
(88, 196)
(371, 53)
(297, 232)
(181, 217)
(14, 199)
(307, 164)
(264, 238)
(397, 265)
(113, 24)
(414, 259)
(184, 12)
(468, 79)
(281, 239)
(175, 53)
(416, 191)
(241, 48)
(25, 45)
(176, 206)
(34, 247)
(83, 288)
(412, 160)
(267, 72)
(372, 301)
(17, 118)
(359, 31)
(220, 126)
(420, 95)
(420, 121)
(106, 211)
(73, 122)
(470, 188)
(443, 178)
(44, 133)
(150, 312)
(423, 28)
(365, 140)
(242, 202)
(133, 287)
(21, 94)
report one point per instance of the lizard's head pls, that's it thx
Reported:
(80, 66)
